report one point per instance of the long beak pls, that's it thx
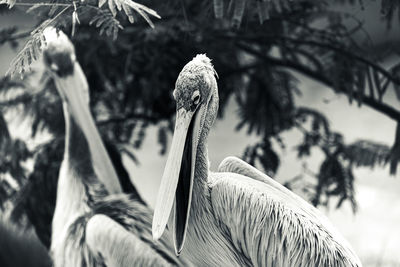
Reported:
(79, 105)
(177, 180)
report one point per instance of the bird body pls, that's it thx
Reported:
(92, 227)
(236, 220)
(238, 216)
(73, 197)
(207, 242)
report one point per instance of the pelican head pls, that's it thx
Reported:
(196, 96)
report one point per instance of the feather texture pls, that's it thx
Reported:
(270, 229)
(116, 232)
(117, 246)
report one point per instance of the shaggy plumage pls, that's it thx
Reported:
(116, 232)
(241, 217)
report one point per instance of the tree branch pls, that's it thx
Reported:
(125, 117)
(18, 36)
(274, 38)
(369, 101)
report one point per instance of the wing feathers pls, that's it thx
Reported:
(236, 165)
(118, 231)
(136, 218)
(117, 246)
(271, 232)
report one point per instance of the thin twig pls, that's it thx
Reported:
(41, 4)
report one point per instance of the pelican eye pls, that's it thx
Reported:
(196, 98)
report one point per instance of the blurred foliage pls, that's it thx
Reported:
(43, 185)
(19, 248)
(257, 47)
(13, 153)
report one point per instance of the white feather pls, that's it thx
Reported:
(117, 246)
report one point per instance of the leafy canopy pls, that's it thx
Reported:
(258, 47)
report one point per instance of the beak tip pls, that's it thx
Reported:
(178, 251)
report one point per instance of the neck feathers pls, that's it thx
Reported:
(202, 167)
(78, 188)
(78, 155)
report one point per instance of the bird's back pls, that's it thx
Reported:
(272, 230)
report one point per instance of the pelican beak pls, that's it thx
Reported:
(74, 90)
(177, 180)
(68, 85)
(59, 58)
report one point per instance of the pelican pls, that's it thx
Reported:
(237, 216)
(37, 199)
(91, 227)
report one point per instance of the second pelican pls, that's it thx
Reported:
(240, 217)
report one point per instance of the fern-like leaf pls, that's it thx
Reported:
(319, 120)
(107, 23)
(128, 6)
(163, 139)
(240, 6)
(365, 153)
(396, 72)
(129, 152)
(218, 8)
(33, 47)
(395, 152)
(263, 10)
(334, 179)
(31, 51)
(34, 8)
(105, 20)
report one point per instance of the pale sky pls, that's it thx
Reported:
(374, 231)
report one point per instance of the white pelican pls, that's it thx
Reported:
(91, 227)
(37, 199)
(237, 218)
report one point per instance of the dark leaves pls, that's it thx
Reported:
(394, 157)
(334, 179)
(263, 154)
(131, 79)
(268, 107)
(163, 138)
(13, 155)
(107, 23)
(37, 197)
(234, 10)
(7, 34)
(365, 153)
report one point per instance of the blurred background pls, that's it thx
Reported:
(309, 93)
